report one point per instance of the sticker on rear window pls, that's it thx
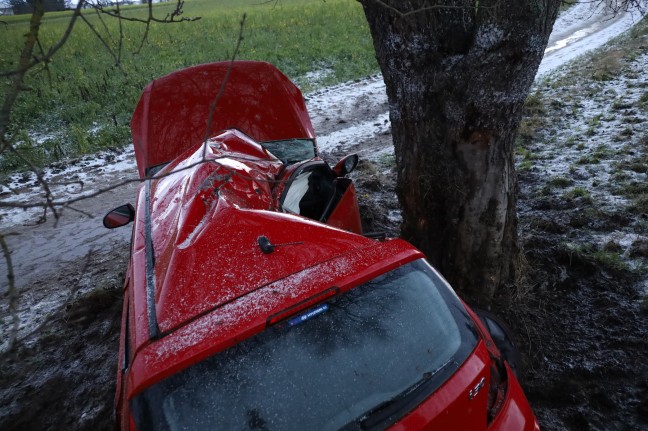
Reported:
(308, 315)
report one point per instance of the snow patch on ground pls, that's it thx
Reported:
(67, 180)
(361, 131)
(315, 77)
(585, 27)
(595, 133)
(324, 104)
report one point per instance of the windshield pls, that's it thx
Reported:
(291, 150)
(331, 366)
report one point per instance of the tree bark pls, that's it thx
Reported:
(457, 74)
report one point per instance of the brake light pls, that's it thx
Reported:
(498, 384)
(496, 388)
(309, 302)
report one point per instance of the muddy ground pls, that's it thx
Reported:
(579, 309)
(580, 324)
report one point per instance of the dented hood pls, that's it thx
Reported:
(254, 97)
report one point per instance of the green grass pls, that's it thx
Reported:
(566, 5)
(559, 182)
(605, 258)
(83, 89)
(643, 102)
(578, 192)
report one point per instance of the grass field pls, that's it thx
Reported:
(83, 102)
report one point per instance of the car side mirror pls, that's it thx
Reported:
(120, 216)
(346, 165)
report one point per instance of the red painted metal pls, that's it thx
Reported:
(237, 320)
(347, 214)
(516, 414)
(195, 243)
(450, 407)
(254, 97)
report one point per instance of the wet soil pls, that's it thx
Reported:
(63, 375)
(579, 310)
(580, 323)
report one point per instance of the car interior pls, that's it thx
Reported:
(313, 192)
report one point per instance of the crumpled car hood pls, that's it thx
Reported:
(256, 98)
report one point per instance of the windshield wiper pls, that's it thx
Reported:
(394, 408)
(401, 402)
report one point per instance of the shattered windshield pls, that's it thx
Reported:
(326, 368)
(291, 150)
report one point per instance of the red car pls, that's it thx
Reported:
(252, 299)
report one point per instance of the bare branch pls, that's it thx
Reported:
(404, 14)
(23, 68)
(172, 17)
(212, 107)
(11, 291)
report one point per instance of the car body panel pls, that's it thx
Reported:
(346, 214)
(249, 314)
(173, 112)
(219, 254)
(516, 414)
(450, 407)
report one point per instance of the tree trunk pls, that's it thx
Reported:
(457, 75)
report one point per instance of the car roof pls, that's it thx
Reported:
(205, 221)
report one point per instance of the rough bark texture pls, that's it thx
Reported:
(457, 74)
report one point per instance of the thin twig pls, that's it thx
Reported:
(104, 43)
(23, 68)
(221, 90)
(403, 14)
(80, 211)
(17, 79)
(68, 202)
(168, 19)
(121, 38)
(41, 181)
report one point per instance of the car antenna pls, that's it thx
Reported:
(267, 247)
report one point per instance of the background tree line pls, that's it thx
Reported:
(27, 6)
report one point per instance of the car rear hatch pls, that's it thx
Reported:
(399, 347)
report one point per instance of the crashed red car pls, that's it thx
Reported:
(252, 299)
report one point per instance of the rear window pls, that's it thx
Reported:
(395, 338)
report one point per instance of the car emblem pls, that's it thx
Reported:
(474, 391)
